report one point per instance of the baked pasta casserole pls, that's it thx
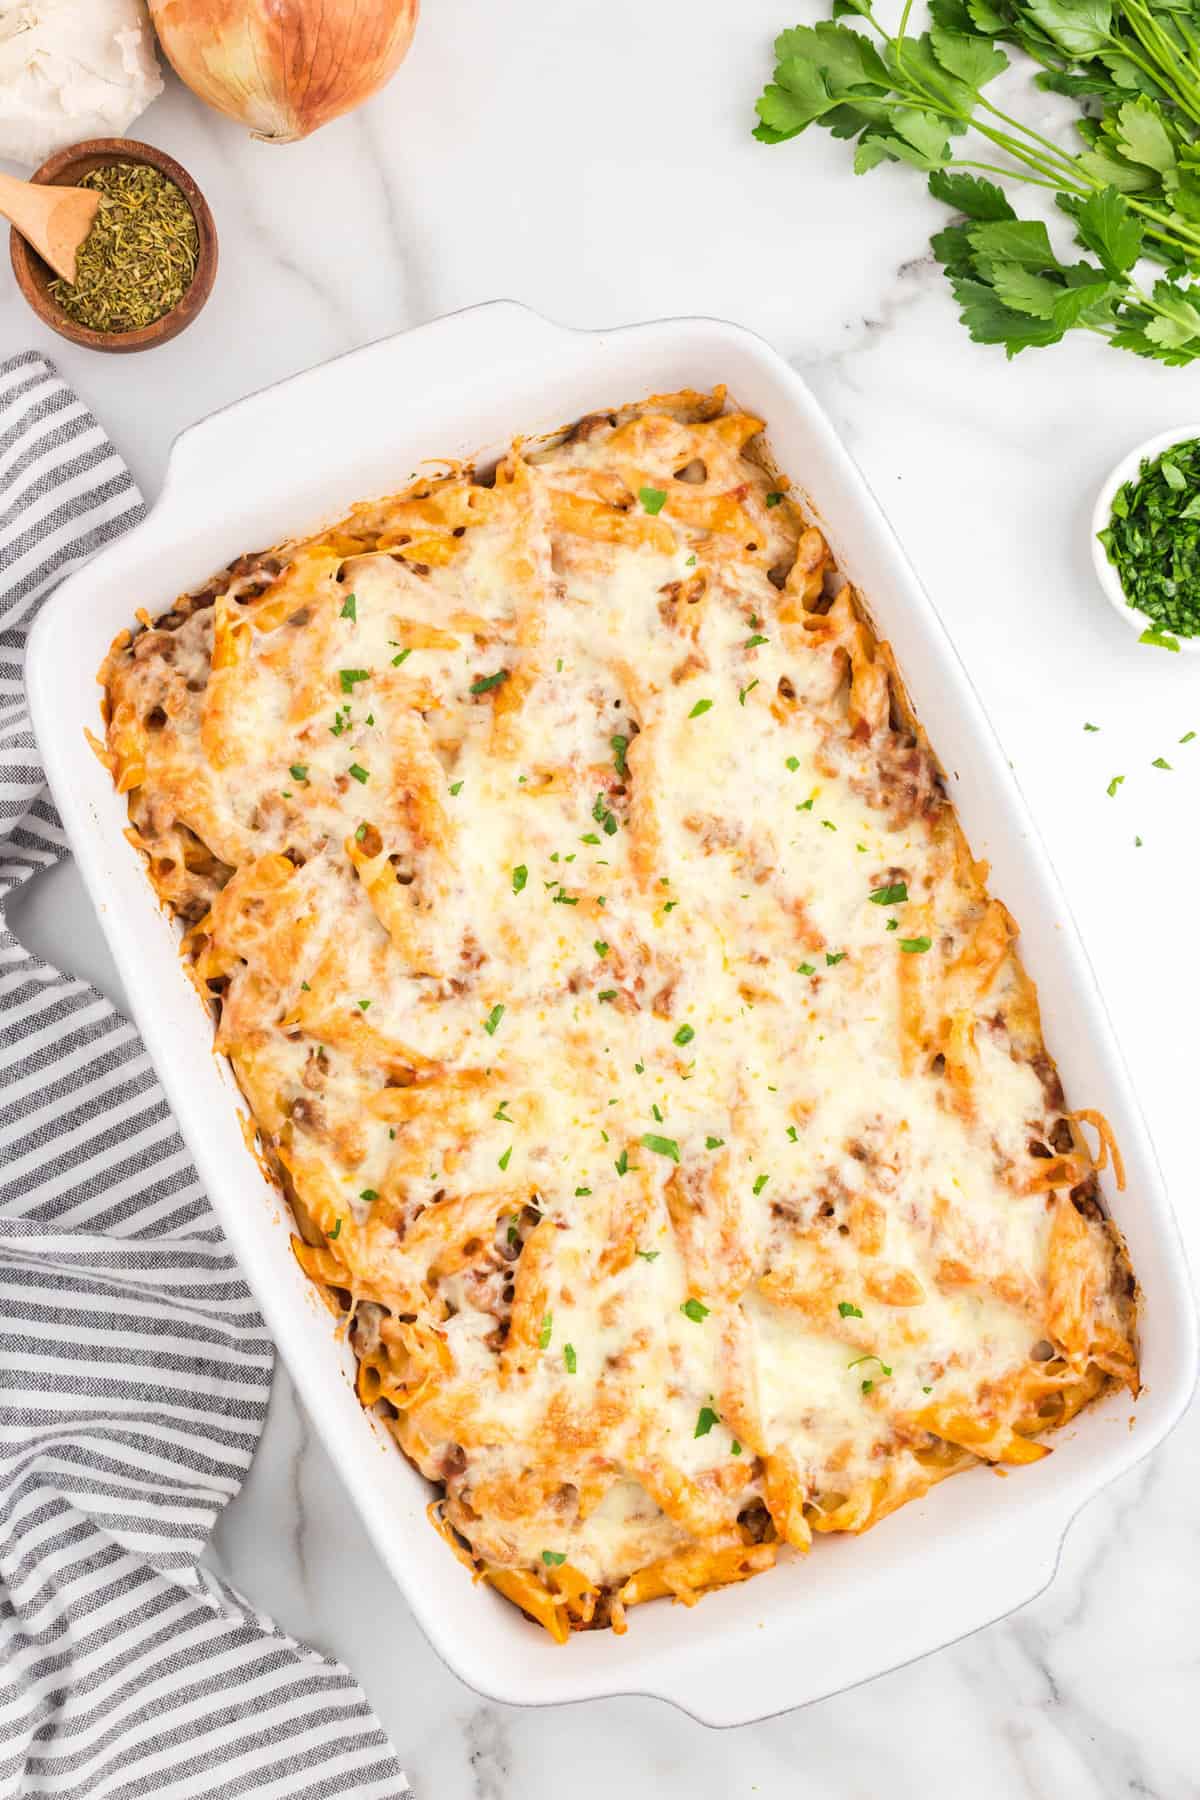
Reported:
(658, 1091)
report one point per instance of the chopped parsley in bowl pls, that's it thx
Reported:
(1146, 542)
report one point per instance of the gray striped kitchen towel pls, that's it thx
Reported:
(134, 1368)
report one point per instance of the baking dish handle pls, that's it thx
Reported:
(490, 336)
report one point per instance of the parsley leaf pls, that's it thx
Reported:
(848, 1310)
(835, 956)
(705, 1421)
(916, 946)
(486, 683)
(648, 1255)
(684, 1035)
(546, 1329)
(1113, 785)
(493, 1019)
(662, 1146)
(695, 1310)
(761, 1183)
(503, 1161)
(1160, 762)
(619, 746)
(892, 895)
(713, 1143)
(348, 678)
(554, 1559)
(653, 499)
(298, 772)
(349, 607)
(569, 1358)
(701, 706)
(520, 876)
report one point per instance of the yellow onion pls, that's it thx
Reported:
(284, 67)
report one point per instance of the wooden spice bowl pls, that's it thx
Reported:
(66, 169)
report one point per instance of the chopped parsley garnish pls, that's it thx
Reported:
(503, 1161)
(600, 947)
(619, 746)
(805, 968)
(892, 895)
(742, 692)
(1187, 737)
(397, 660)
(805, 805)
(761, 1183)
(603, 816)
(713, 1143)
(705, 1421)
(869, 1358)
(359, 773)
(622, 1164)
(299, 771)
(916, 946)
(793, 763)
(364, 1004)
(1113, 785)
(520, 876)
(648, 1255)
(456, 787)
(695, 1310)
(348, 677)
(554, 1559)
(662, 1146)
(653, 1109)
(735, 1449)
(336, 1232)
(653, 499)
(834, 956)
(867, 1386)
(829, 824)
(893, 925)
(607, 994)
(581, 1193)
(701, 706)
(493, 1019)
(544, 1333)
(360, 832)
(1137, 843)
(569, 1358)
(793, 1135)
(486, 683)
(1160, 638)
(501, 1112)
(350, 607)
(848, 1310)
(927, 1390)
(1160, 762)
(562, 898)
(752, 643)
(305, 987)
(774, 499)
(684, 1035)
(368, 1194)
(669, 905)
(1088, 727)
(513, 1235)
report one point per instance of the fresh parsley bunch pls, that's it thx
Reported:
(1132, 192)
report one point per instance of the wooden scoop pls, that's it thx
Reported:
(55, 220)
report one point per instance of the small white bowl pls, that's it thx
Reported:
(1106, 573)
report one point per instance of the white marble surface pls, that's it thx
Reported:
(595, 162)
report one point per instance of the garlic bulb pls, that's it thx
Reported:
(72, 69)
(284, 67)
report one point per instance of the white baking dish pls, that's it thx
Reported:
(284, 460)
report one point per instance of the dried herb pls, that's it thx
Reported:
(1153, 539)
(138, 260)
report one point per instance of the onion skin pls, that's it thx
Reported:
(284, 67)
